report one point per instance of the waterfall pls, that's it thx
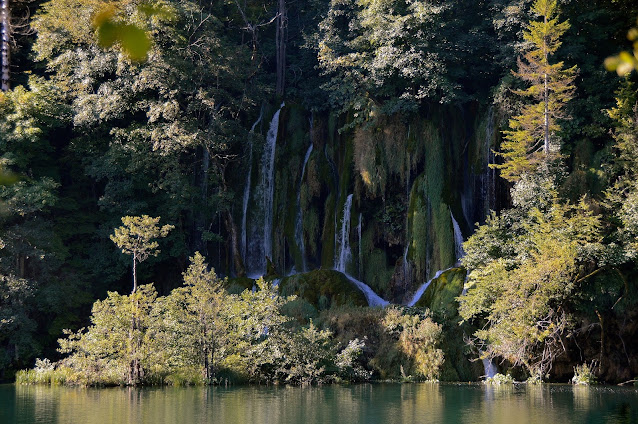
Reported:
(489, 368)
(344, 256)
(299, 220)
(360, 250)
(372, 298)
(423, 287)
(344, 253)
(458, 239)
(247, 188)
(261, 238)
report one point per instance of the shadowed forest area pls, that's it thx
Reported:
(318, 191)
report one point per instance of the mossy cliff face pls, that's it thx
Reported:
(408, 176)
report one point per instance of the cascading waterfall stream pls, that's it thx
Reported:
(299, 218)
(489, 368)
(261, 238)
(458, 239)
(360, 264)
(344, 255)
(247, 188)
(424, 287)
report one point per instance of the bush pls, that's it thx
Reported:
(45, 372)
(499, 379)
(584, 375)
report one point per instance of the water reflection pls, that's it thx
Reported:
(366, 403)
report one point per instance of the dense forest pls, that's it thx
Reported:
(430, 189)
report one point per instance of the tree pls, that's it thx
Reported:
(525, 268)
(110, 351)
(136, 238)
(396, 55)
(195, 323)
(533, 134)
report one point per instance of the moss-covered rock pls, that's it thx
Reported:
(239, 284)
(440, 296)
(323, 289)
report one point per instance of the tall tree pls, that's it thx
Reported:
(137, 238)
(533, 134)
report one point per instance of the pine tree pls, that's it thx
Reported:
(532, 137)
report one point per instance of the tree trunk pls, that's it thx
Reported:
(4, 43)
(232, 230)
(546, 120)
(134, 275)
(545, 98)
(280, 41)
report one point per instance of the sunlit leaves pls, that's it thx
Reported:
(525, 266)
(626, 61)
(134, 40)
(137, 236)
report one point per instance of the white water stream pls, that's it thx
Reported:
(260, 246)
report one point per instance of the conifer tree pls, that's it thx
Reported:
(532, 135)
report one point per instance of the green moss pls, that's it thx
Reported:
(311, 232)
(323, 289)
(328, 234)
(238, 285)
(440, 296)
(418, 223)
(443, 237)
(376, 272)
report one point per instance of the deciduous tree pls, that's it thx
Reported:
(137, 237)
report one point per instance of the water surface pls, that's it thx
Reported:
(366, 403)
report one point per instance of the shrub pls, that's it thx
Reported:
(584, 375)
(499, 379)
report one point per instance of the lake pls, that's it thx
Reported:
(365, 403)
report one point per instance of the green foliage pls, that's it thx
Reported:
(136, 237)
(584, 375)
(419, 337)
(116, 348)
(499, 379)
(525, 267)
(625, 62)
(392, 56)
(622, 196)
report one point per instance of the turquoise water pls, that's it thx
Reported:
(366, 403)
